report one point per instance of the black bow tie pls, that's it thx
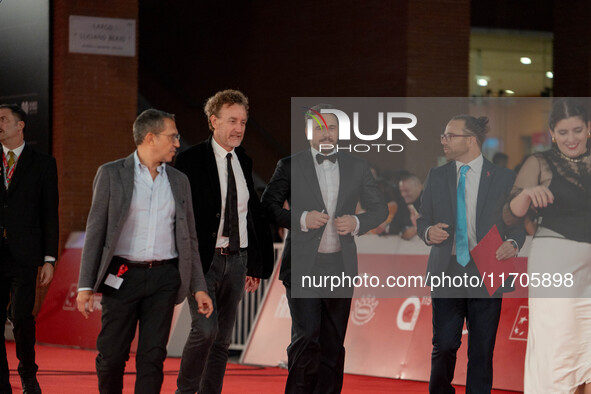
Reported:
(320, 158)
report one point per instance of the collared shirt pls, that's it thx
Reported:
(148, 230)
(329, 179)
(17, 154)
(17, 151)
(241, 188)
(472, 184)
(328, 175)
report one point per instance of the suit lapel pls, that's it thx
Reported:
(212, 172)
(240, 154)
(175, 188)
(2, 187)
(486, 177)
(452, 186)
(309, 174)
(344, 171)
(23, 163)
(126, 172)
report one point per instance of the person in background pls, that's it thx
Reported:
(500, 159)
(411, 190)
(29, 233)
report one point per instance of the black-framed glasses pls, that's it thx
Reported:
(449, 136)
(172, 137)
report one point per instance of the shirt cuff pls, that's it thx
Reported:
(84, 289)
(427, 240)
(303, 226)
(515, 245)
(49, 259)
(356, 231)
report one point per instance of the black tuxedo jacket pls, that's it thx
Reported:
(198, 163)
(439, 206)
(29, 208)
(295, 180)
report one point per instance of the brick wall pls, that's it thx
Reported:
(94, 106)
(276, 50)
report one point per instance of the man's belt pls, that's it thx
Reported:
(144, 264)
(227, 252)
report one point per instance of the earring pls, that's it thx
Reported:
(589, 135)
(554, 140)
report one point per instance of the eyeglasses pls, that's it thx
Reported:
(449, 136)
(172, 137)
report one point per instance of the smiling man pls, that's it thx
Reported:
(322, 188)
(235, 241)
(140, 251)
(462, 200)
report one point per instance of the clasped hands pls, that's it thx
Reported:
(345, 224)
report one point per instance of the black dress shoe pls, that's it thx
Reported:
(5, 389)
(30, 385)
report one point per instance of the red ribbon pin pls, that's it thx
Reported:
(123, 269)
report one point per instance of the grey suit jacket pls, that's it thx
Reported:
(112, 191)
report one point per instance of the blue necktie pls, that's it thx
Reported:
(462, 249)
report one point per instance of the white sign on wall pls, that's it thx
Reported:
(102, 36)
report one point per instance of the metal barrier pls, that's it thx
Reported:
(249, 307)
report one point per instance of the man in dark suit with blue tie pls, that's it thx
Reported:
(462, 201)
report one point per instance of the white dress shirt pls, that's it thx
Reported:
(148, 230)
(328, 175)
(17, 154)
(241, 188)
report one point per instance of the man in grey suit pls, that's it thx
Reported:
(141, 253)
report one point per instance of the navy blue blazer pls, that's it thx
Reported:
(439, 206)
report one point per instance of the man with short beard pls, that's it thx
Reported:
(462, 200)
(322, 188)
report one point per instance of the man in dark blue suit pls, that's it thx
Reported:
(462, 201)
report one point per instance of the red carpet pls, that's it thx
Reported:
(69, 371)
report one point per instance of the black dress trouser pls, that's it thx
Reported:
(18, 284)
(481, 313)
(147, 296)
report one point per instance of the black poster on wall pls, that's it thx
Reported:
(24, 65)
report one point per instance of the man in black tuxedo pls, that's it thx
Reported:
(29, 233)
(322, 191)
(462, 201)
(235, 240)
